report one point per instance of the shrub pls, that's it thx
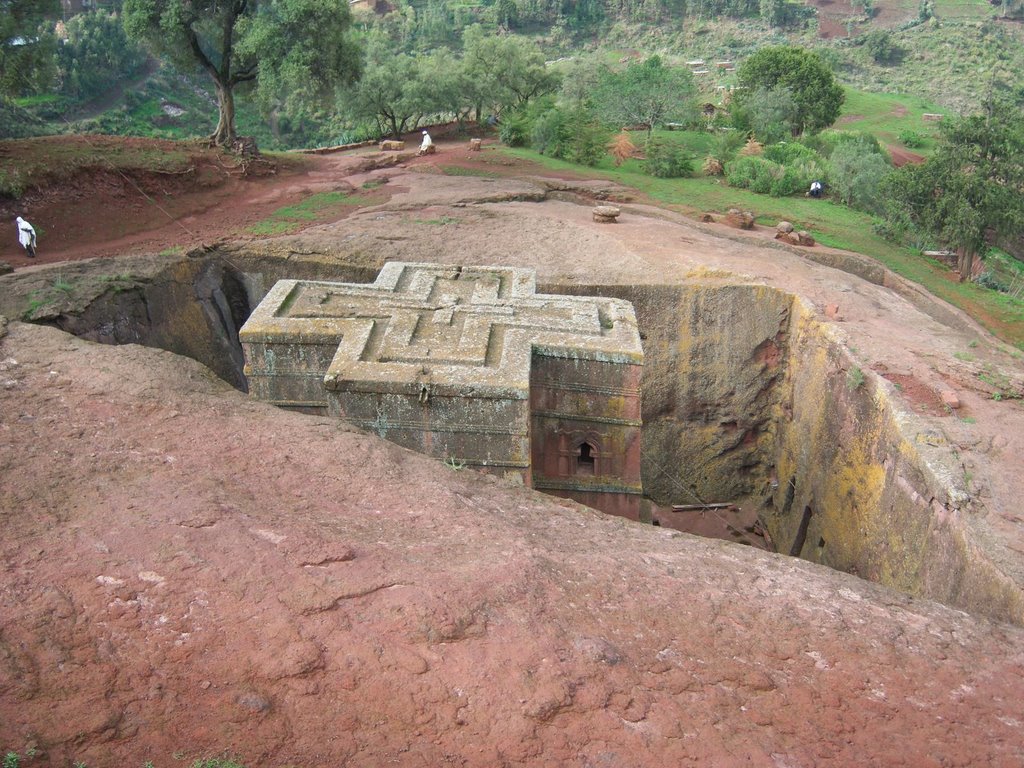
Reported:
(515, 131)
(856, 176)
(911, 139)
(712, 167)
(668, 161)
(569, 134)
(587, 138)
(549, 133)
(727, 145)
(753, 173)
(785, 153)
(880, 46)
(758, 174)
(622, 148)
(752, 147)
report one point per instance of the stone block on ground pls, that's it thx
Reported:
(832, 311)
(739, 219)
(950, 399)
(804, 238)
(474, 145)
(606, 214)
(784, 226)
(707, 218)
(392, 146)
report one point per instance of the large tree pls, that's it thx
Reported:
(398, 90)
(808, 78)
(504, 72)
(26, 56)
(646, 93)
(971, 190)
(289, 51)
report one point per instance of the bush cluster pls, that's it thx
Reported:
(668, 161)
(768, 177)
(568, 133)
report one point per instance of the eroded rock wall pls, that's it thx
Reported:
(866, 489)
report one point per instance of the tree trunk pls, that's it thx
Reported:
(965, 263)
(224, 136)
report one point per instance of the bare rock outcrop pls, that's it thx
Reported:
(189, 572)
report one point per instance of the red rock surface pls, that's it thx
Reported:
(187, 571)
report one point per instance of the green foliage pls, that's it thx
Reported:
(646, 93)
(572, 134)
(95, 54)
(826, 142)
(515, 131)
(809, 79)
(786, 153)
(290, 51)
(668, 161)
(503, 73)
(971, 187)
(766, 176)
(881, 46)
(854, 379)
(390, 91)
(857, 174)
(26, 48)
(516, 128)
(11, 760)
(753, 173)
(770, 113)
(911, 139)
(727, 145)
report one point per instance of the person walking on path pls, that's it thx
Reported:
(27, 237)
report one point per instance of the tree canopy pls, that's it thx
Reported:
(972, 188)
(504, 72)
(289, 51)
(26, 56)
(646, 93)
(810, 81)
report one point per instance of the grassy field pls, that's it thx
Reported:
(831, 224)
(886, 115)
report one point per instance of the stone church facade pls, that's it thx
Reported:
(466, 364)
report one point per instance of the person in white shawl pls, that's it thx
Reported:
(27, 237)
(426, 144)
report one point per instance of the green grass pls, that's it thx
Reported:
(457, 170)
(973, 10)
(312, 206)
(273, 228)
(831, 224)
(886, 114)
(290, 218)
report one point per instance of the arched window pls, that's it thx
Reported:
(585, 459)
